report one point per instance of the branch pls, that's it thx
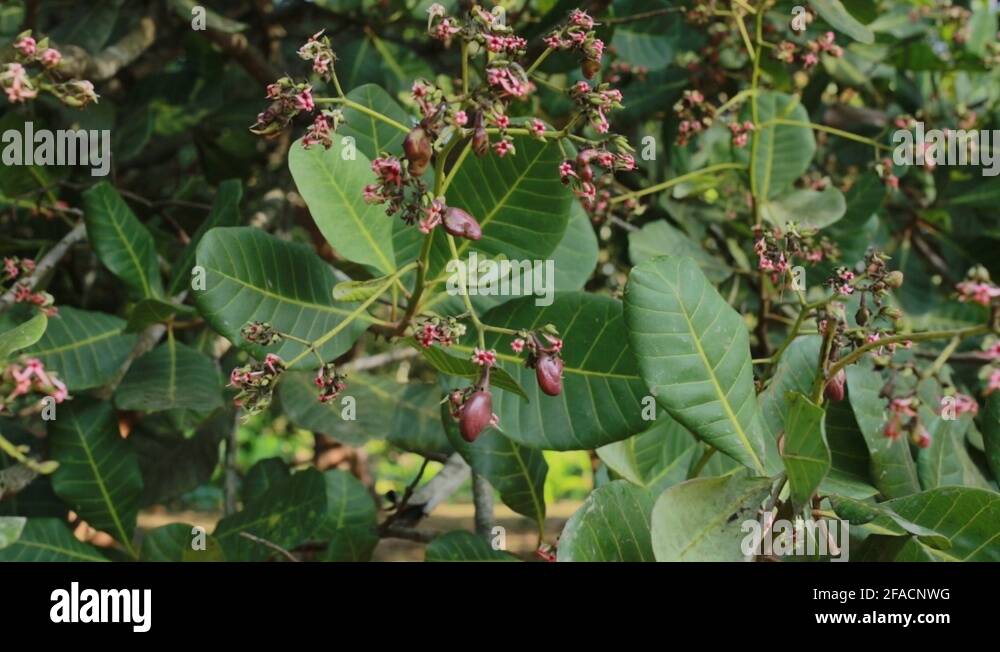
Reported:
(106, 64)
(269, 544)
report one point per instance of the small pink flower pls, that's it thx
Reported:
(461, 118)
(26, 46)
(966, 404)
(517, 345)
(977, 292)
(902, 406)
(566, 170)
(503, 147)
(537, 127)
(304, 100)
(51, 58)
(484, 358)
(994, 382)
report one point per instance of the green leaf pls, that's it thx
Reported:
(350, 521)
(10, 529)
(466, 368)
(175, 542)
(153, 311)
(333, 188)
(48, 539)
(373, 137)
(611, 525)
(250, 276)
(516, 471)
(806, 455)
(358, 290)
(660, 239)
(991, 434)
(779, 153)
(23, 335)
(967, 517)
(834, 13)
(702, 519)
(655, 459)
(171, 376)
(795, 372)
(694, 354)
(86, 348)
(406, 414)
(121, 241)
(286, 514)
(602, 392)
(225, 212)
(809, 209)
(98, 474)
(881, 519)
(463, 546)
(892, 467)
(519, 201)
(939, 464)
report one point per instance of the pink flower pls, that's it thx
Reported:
(432, 216)
(581, 19)
(977, 292)
(517, 345)
(566, 170)
(304, 100)
(994, 382)
(902, 406)
(484, 358)
(461, 118)
(51, 58)
(503, 147)
(537, 127)
(318, 133)
(501, 121)
(26, 46)
(389, 170)
(966, 404)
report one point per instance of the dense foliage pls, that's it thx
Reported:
(759, 313)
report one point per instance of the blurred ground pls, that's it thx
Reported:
(521, 537)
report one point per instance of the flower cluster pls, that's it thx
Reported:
(808, 56)
(317, 50)
(262, 333)
(874, 284)
(579, 174)
(776, 249)
(544, 356)
(288, 99)
(578, 35)
(978, 288)
(444, 331)
(256, 382)
(397, 188)
(19, 380)
(330, 383)
(483, 357)
(16, 270)
(695, 114)
(596, 103)
(19, 85)
(740, 132)
(905, 418)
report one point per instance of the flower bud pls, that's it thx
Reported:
(476, 414)
(894, 279)
(461, 225)
(835, 387)
(548, 372)
(418, 151)
(862, 316)
(480, 139)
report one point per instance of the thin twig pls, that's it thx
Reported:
(269, 544)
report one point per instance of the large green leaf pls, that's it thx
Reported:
(406, 414)
(171, 376)
(225, 212)
(516, 471)
(48, 539)
(809, 209)
(702, 519)
(86, 348)
(991, 434)
(660, 239)
(250, 275)
(463, 546)
(602, 392)
(23, 335)
(939, 464)
(286, 514)
(332, 184)
(655, 459)
(967, 517)
(98, 474)
(373, 137)
(779, 153)
(834, 13)
(806, 455)
(611, 525)
(519, 201)
(795, 372)
(121, 241)
(349, 527)
(694, 354)
(10, 529)
(892, 467)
